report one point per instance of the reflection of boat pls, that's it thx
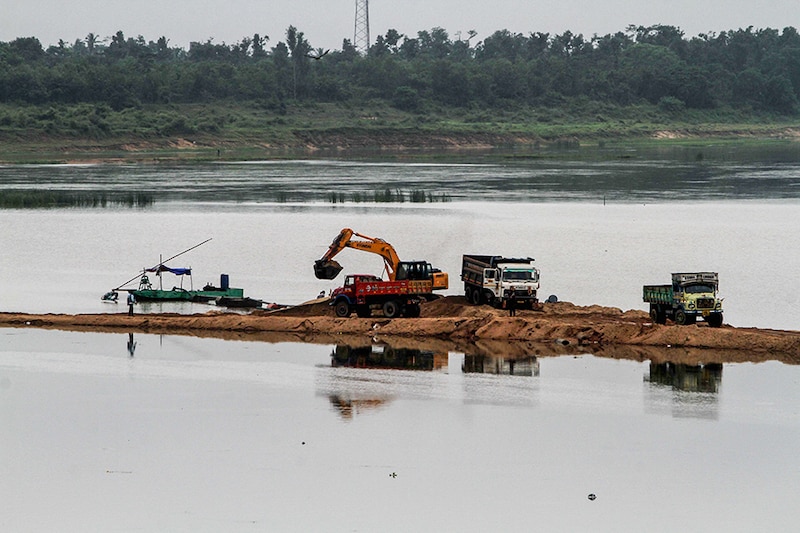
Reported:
(384, 356)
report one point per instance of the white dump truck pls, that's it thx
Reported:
(488, 279)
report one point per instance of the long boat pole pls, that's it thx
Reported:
(164, 261)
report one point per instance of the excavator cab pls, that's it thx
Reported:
(420, 271)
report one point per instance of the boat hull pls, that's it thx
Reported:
(181, 295)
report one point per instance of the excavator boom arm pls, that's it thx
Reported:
(327, 268)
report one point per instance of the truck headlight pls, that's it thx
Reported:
(718, 306)
(691, 305)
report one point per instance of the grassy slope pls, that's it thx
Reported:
(250, 131)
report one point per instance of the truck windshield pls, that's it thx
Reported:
(520, 275)
(694, 289)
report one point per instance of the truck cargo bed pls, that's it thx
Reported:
(657, 294)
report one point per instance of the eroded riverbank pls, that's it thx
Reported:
(556, 329)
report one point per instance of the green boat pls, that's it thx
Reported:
(147, 293)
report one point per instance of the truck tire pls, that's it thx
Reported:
(680, 317)
(488, 298)
(714, 320)
(658, 315)
(342, 309)
(391, 309)
(467, 293)
(476, 297)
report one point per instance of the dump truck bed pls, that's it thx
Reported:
(657, 294)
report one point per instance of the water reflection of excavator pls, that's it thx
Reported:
(397, 270)
(350, 402)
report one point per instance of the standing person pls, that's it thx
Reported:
(511, 302)
(131, 301)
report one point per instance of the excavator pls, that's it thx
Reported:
(396, 270)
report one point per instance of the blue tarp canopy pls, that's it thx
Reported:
(177, 271)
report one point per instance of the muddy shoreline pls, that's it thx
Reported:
(450, 324)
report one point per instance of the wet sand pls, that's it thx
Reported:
(555, 329)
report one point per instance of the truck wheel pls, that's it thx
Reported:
(342, 309)
(391, 309)
(467, 293)
(488, 298)
(476, 297)
(714, 320)
(412, 311)
(658, 316)
(680, 317)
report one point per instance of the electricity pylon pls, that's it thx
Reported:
(361, 34)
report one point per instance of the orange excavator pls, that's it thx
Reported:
(396, 270)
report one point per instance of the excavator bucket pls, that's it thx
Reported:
(326, 269)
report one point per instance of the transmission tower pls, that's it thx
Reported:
(361, 35)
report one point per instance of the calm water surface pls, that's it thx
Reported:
(681, 174)
(598, 228)
(589, 253)
(187, 434)
(205, 435)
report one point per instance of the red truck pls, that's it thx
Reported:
(364, 293)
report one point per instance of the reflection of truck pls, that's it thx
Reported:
(386, 356)
(490, 278)
(690, 378)
(364, 293)
(691, 295)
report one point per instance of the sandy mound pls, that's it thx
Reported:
(589, 328)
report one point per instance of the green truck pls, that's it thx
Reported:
(692, 295)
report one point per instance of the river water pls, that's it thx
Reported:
(109, 432)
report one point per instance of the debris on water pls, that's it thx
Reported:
(592, 497)
(393, 475)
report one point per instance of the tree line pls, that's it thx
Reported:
(747, 69)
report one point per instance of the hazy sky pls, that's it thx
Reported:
(326, 23)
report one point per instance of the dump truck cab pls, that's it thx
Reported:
(489, 279)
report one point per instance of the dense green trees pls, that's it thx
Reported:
(752, 70)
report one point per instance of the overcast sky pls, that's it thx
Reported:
(326, 22)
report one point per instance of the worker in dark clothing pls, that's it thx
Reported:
(131, 301)
(511, 302)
